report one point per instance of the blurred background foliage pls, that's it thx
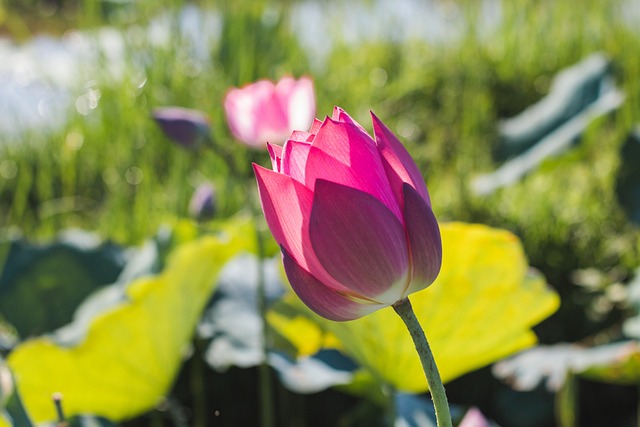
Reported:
(109, 169)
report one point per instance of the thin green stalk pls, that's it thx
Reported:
(405, 311)
(266, 399)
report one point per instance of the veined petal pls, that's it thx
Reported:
(287, 204)
(315, 126)
(298, 135)
(294, 159)
(342, 153)
(340, 115)
(398, 164)
(423, 235)
(275, 152)
(322, 299)
(359, 241)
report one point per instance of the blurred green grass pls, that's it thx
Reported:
(114, 172)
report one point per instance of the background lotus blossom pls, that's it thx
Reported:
(352, 216)
(202, 205)
(187, 128)
(268, 112)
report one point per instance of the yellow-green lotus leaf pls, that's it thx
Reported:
(306, 336)
(131, 352)
(480, 309)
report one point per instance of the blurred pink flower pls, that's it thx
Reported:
(474, 418)
(266, 112)
(352, 216)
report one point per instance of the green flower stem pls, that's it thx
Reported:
(405, 311)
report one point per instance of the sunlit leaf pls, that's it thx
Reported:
(132, 350)
(303, 333)
(480, 309)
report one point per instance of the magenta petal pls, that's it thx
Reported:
(315, 126)
(294, 159)
(342, 153)
(275, 152)
(285, 203)
(340, 115)
(359, 241)
(398, 164)
(300, 103)
(425, 244)
(298, 135)
(321, 299)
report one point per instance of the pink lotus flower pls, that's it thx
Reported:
(266, 112)
(352, 216)
(474, 418)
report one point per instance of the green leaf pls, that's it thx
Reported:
(623, 367)
(132, 349)
(55, 278)
(628, 178)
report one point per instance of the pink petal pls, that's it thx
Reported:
(474, 418)
(425, 244)
(342, 153)
(294, 159)
(256, 114)
(271, 120)
(321, 299)
(300, 104)
(315, 127)
(359, 241)
(398, 164)
(243, 108)
(340, 115)
(275, 152)
(298, 135)
(287, 204)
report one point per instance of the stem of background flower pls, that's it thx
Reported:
(405, 311)
(391, 410)
(266, 400)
